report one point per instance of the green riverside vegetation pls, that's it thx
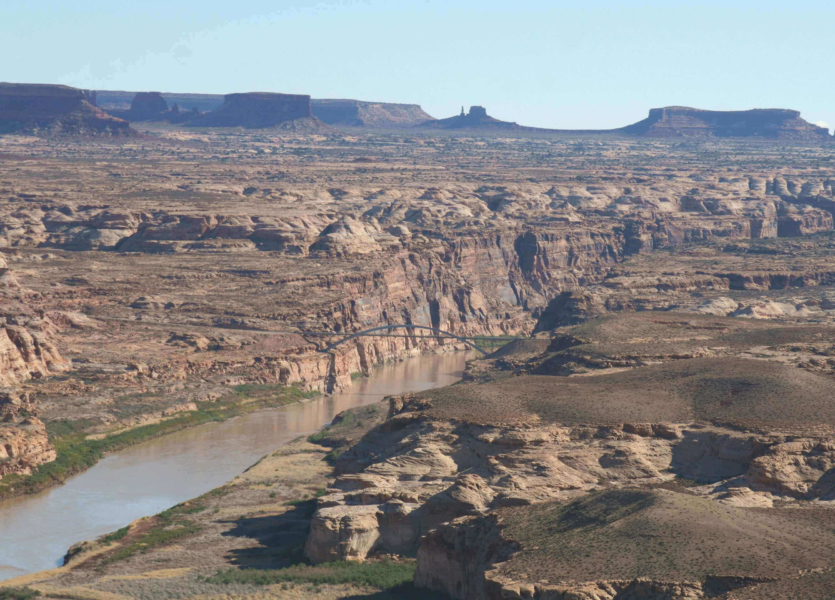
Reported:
(169, 525)
(76, 453)
(18, 594)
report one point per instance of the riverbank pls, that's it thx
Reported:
(150, 477)
(258, 520)
(77, 450)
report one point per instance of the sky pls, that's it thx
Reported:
(545, 63)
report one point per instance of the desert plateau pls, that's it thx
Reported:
(262, 345)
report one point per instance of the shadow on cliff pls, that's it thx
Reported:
(280, 538)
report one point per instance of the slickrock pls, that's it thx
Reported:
(55, 110)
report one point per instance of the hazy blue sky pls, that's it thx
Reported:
(583, 63)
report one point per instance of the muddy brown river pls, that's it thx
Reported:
(36, 531)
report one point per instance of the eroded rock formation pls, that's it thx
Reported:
(24, 443)
(478, 119)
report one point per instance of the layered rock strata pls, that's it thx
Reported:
(24, 443)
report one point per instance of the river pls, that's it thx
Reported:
(36, 531)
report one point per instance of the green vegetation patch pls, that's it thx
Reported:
(76, 453)
(380, 575)
(18, 593)
(349, 426)
(169, 525)
(115, 536)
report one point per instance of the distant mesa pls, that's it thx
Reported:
(55, 110)
(340, 113)
(259, 110)
(358, 113)
(769, 123)
(669, 122)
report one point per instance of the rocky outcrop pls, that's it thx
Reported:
(378, 115)
(24, 443)
(680, 121)
(510, 440)
(476, 119)
(26, 350)
(55, 110)
(256, 110)
(412, 474)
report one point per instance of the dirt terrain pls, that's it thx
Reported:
(675, 380)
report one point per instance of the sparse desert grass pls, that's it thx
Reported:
(167, 526)
(754, 394)
(665, 536)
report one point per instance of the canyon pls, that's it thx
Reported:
(672, 298)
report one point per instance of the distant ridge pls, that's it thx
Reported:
(668, 122)
(339, 112)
